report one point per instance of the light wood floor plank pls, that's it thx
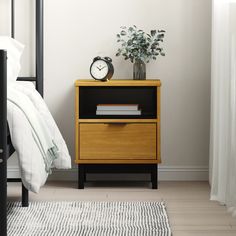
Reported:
(204, 233)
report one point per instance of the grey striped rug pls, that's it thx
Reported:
(88, 219)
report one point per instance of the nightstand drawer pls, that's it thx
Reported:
(118, 141)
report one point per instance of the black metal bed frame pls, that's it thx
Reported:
(6, 148)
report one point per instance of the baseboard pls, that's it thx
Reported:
(166, 173)
(184, 173)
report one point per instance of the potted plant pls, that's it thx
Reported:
(140, 47)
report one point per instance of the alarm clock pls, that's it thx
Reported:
(102, 68)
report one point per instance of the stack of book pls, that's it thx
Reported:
(118, 109)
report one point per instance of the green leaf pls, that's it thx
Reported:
(129, 43)
(123, 33)
(153, 32)
(131, 29)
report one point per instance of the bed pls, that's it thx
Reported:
(6, 146)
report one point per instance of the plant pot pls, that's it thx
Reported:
(139, 70)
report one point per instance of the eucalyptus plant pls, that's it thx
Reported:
(138, 45)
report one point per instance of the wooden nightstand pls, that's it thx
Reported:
(117, 143)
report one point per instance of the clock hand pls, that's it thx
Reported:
(98, 68)
(102, 67)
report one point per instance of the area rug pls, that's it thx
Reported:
(88, 219)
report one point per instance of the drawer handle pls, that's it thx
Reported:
(115, 123)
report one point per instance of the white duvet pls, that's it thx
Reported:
(35, 136)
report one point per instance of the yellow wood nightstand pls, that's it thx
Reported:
(117, 143)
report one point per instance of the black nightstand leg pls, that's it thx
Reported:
(81, 175)
(85, 176)
(154, 178)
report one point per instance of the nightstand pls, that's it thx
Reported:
(117, 143)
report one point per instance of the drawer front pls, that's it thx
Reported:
(118, 141)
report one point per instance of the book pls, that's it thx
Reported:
(118, 112)
(119, 107)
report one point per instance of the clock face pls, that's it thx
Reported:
(99, 69)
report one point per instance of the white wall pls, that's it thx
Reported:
(76, 31)
(4, 17)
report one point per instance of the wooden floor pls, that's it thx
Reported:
(188, 206)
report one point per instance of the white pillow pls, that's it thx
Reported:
(14, 51)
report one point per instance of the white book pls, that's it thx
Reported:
(118, 112)
(119, 107)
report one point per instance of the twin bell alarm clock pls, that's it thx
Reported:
(102, 68)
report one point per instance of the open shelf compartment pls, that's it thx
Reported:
(91, 96)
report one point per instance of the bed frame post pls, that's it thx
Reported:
(3, 142)
(13, 18)
(39, 46)
(25, 196)
(39, 70)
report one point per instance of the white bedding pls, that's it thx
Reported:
(35, 136)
